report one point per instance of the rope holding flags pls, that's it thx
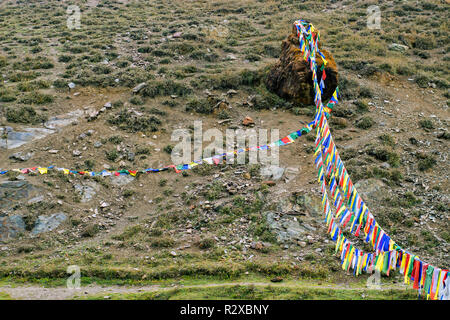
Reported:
(350, 209)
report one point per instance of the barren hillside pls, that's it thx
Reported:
(208, 61)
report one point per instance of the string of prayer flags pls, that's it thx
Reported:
(352, 211)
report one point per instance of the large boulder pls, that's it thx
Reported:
(291, 79)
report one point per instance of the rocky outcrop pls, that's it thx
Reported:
(11, 227)
(291, 79)
(15, 192)
(48, 223)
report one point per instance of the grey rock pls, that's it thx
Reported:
(397, 47)
(302, 244)
(372, 190)
(64, 120)
(290, 173)
(86, 191)
(22, 136)
(12, 192)
(36, 199)
(272, 172)
(76, 153)
(310, 205)
(131, 156)
(385, 165)
(48, 223)
(11, 227)
(286, 228)
(121, 180)
(19, 138)
(139, 87)
(97, 144)
(19, 156)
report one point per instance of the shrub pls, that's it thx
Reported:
(168, 149)
(136, 100)
(89, 164)
(361, 105)
(384, 154)
(386, 139)
(37, 98)
(90, 231)
(365, 92)
(204, 105)
(348, 88)
(112, 155)
(206, 243)
(422, 81)
(65, 58)
(425, 43)
(131, 122)
(23, 76)
(165, 88)
(163, 242)
(7, 96)
(233, 80)
(60, 84)
(115, 139)
(24, 115)
(127, 193)
(426, 163)
(33, 64)
(426, 124)
(3, 62)
(268, 100)
(365, 123)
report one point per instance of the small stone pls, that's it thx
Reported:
(97, 144)
(36, 200)
(270, 183)
(104, 204)
(385, 165)
(131, 156)
(397, 47)
(248, 121)
(76, 153)
(177, 34)
(139, 87)
(276, 279)
(173, 253)
(256, 245)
